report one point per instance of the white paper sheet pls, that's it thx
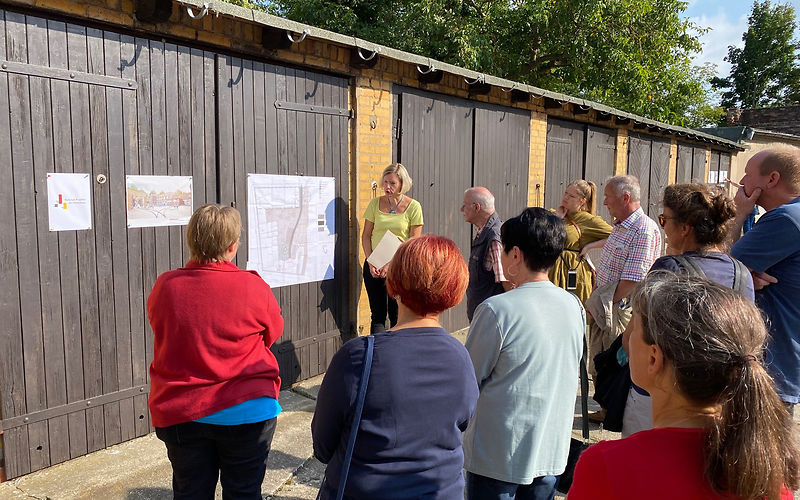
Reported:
(291, 228)
(385, 249)
(69, 201)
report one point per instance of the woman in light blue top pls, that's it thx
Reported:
(525, 345)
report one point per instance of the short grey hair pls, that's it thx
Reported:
(483, 196)
(622, 184)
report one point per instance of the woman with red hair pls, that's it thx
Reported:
(421, 392)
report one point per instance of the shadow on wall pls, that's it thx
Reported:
(288, 362)
(336, 292)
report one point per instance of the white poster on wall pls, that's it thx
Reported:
(69, 201)
(291, 233)
(158, 200)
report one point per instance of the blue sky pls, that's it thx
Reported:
(727, 20)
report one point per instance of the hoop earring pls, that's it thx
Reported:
(510, 274)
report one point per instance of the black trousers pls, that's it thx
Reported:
(380, 304)
(202, 453)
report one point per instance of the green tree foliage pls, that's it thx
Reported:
(631, 54)
(765, 72)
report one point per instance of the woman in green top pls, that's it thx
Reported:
(393, 211)
(583, 227)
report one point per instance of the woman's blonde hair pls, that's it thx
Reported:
(211, 231)
(400, 171)
(588, 191)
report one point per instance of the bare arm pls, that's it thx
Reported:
(366, 245)
(624, 288)
(414, 231)
(592, 246)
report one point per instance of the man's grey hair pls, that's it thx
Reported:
(622, 184)
(483, 196)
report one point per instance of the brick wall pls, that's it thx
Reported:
(536, 170)
(784, 119)
(621, 153)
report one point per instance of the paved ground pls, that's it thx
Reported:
(139, 469)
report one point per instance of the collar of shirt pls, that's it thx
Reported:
(632, 219)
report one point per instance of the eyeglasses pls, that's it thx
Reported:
(662, 219)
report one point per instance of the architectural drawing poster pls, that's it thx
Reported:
(291, 232)
(158, 200)
(69, 201)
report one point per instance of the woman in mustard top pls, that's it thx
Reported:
(397, 212)
(583, 227)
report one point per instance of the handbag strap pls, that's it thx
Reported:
(584, 393)
(362, 394)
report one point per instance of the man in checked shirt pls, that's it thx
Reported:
(485, 270)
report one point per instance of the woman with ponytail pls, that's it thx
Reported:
(720, 430)
(696, 220)
(584, 230)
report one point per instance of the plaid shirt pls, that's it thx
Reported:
(632, 247)
(492, 261)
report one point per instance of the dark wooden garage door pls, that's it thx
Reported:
(277, 120)
(600, 153)
(648, 160)
(564, 160)
(436, 146)
(502, 154)
(76, 344)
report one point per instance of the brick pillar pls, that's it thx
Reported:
(706, 166)
(373, 153)
(673, 161)
(621, 153)
(536, 162)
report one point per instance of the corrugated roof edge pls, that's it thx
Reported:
(269, 20)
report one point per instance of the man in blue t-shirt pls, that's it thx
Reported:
(771, 249)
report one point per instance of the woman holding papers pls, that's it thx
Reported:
(397, 213)
(584, 228)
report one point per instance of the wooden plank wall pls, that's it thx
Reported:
(601, 145)
(639, 150)
(256, 137)
(74, 301)
(501, 154)
(564, 158)
(436, 146)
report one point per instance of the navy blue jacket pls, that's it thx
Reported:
(421, 395)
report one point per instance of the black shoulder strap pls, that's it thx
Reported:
(739, 273)
(689, 265)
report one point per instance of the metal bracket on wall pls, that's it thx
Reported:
(66, 75)
(38, 416)
(313, 108)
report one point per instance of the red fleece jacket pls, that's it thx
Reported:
(213, 325)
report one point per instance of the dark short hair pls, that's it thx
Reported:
(428, 274)
(538, 233)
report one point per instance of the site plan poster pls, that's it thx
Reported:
(69, 201)
(158, 200)
(291, 232)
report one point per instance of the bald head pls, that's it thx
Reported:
(481, 195)
(478, 206)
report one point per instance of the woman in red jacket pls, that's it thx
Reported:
(213, 381)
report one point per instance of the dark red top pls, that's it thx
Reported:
(664, 463)
(213, 325)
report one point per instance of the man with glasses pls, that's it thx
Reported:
(631, 248)
(485, 270)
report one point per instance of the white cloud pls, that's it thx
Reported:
(724, 32)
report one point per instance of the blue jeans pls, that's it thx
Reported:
(202, 453)
(486, 488)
